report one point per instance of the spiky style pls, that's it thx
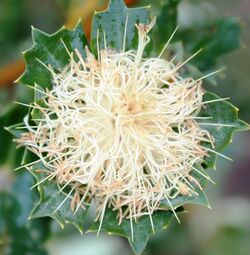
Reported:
(120, 130)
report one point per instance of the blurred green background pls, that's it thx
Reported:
(224, 230)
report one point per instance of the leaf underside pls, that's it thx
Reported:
(50, 50)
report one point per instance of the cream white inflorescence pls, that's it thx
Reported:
(120, 130)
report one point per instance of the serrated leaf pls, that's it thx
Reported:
(142, 229)
(53, 203)
(50, 50)
(8, 152)
(225, 115)
(15, 130)
(198, 199)
(112, 22)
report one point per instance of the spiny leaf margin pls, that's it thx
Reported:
(50, 50)
(142, 229)
(222, 112)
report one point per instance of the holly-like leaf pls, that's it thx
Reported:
(200, 198)
(142, 229)
(8, 152)
(15, 130)
(54, 203)
(223, 124)
(51, 50)
(17, 235)
(118, 20)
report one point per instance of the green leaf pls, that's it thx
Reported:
(15, 130)
(220, 38)
(50, 50)
(18, 237)
(112, 24)
(142, 229)
(17, 234)
(197, 199)
(9, 154)
(221, 113)
(53, 203)
(39, 97)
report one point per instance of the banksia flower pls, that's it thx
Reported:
(125, 132)
(121, 130)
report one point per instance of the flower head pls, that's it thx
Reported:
(121, 130)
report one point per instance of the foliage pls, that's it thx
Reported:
(220, 38)
(17, 234)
